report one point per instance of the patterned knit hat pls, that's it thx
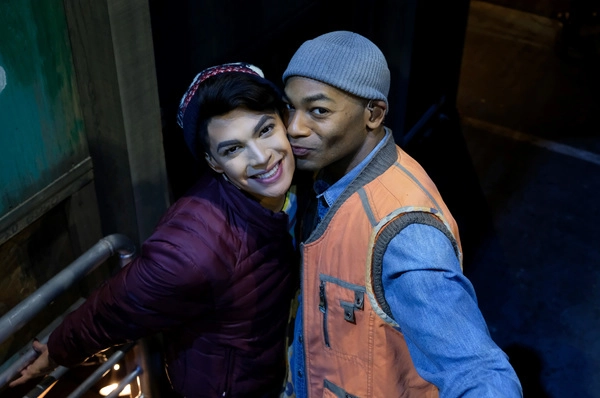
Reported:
(345, 60)
(187, 116)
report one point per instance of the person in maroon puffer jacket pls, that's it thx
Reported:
(217, 275)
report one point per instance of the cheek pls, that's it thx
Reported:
(281, 144)
(333, 138)
(236, 167)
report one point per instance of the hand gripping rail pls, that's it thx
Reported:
(18, 317)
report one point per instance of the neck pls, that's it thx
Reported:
(335, 171)
(273, 204)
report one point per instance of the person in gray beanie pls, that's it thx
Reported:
(384, 308)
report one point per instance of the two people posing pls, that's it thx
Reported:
(384, 309)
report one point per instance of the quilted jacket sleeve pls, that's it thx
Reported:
(171, 282)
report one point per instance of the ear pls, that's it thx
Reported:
(212, 164)
(375, 113)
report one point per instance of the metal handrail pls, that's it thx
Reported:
(17, 317)
(22, 313)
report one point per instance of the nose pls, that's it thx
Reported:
(259, 155)
(296, 125)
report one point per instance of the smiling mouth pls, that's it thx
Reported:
(269, 173)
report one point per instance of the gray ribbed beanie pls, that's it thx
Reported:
(345, 60)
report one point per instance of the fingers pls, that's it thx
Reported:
(21, 380)
(41, 366)
(39, 347)
(26, 374)
(37, 369)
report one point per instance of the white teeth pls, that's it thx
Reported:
(269, 174)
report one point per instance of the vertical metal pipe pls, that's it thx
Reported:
(128, 379)
(100, 371)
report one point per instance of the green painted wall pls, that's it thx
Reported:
(41, 125)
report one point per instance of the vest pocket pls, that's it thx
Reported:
(345, 323)
(330, 390)
(323, 309)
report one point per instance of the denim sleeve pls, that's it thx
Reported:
(436, 308)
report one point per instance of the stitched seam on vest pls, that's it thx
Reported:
(383, 160)
(387, 234)
(342, 283)
(408, 173)
(367, 206)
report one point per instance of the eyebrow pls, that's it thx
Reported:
(256, 129)
(316, 97)
(310, 98)
(262, 121)
(226, 144)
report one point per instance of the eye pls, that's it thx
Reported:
(266, 130)
(319, 111)
(230, 150)
(289, 106)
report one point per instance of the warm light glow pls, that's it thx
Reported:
(104, 391)
(117, 366)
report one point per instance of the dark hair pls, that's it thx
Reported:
(228, 91)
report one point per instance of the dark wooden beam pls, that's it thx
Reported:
(114, 63)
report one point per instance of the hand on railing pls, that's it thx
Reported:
(41, 366)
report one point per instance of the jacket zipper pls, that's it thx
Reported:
(228, 371)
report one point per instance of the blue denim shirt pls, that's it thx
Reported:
(436, 309)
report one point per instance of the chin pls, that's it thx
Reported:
(307, 165)
(275, 192)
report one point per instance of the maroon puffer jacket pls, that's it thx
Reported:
(216, 278)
